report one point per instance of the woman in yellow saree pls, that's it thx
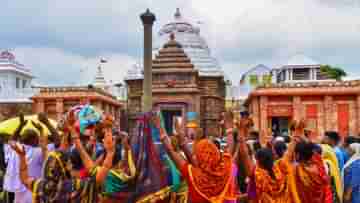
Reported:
(331, 163)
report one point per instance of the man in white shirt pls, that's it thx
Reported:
(34, 156)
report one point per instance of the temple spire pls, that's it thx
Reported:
(177, 13)
(99, 78)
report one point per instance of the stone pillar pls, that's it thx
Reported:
(147, 19)
(59, 108)
(321, 119)
(352, 118)
(329, 113)
(297, 108)
(255, 113)
(40, 107)
(263, 113)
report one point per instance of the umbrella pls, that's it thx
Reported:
(9, 126)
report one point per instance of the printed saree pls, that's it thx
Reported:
(56, 187)
(313, 186)
(117, 184)
(274, 190)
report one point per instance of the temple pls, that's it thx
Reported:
(325, 106)
(55, 101)
(185, 78)
(15, 86)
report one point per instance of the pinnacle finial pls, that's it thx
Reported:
(177, 13)
(172, 36)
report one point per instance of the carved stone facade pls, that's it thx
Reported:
(55, 101)
(324, 105)
(177, 86)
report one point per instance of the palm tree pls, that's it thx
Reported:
(333, 72)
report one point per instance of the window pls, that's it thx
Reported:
(24, 84)
(301, 74)
(17, 83)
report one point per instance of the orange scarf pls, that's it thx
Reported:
(212, 177)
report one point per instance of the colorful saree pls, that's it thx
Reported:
(156, 178)
(313, 186)
(212, 179)
(117, 184)
(274, 190)
(57, 186)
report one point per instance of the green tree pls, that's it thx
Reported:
(333, 72)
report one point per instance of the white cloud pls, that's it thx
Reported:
(53, 66)
(66, 36)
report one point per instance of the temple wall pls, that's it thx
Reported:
(322, 113)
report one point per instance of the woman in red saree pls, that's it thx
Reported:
(312, 182)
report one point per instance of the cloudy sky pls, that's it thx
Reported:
(62, 41)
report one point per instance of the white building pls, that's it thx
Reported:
(300, 68)
(15, 80)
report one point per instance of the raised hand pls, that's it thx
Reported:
(23, 122)
(109, 143)
(125, 142)
(42, 117)
(38, 126)
(69, 124)
(18, 148)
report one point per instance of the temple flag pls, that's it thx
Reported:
(267, 79)
(254, 80)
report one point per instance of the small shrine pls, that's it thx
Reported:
(178, 90)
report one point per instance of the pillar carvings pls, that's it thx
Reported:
(330, 108)
(352, 118)
(321, 118)
(40, 108)
(59, 108)
(256, 113)
(297, 108)
(263, 113)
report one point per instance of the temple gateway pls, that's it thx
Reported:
(185, 78)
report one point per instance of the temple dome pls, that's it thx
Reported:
(194, 45)
(9, 62)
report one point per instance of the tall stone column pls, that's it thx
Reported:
(147, 19)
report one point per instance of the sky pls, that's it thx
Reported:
(63, 41)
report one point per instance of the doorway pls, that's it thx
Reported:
(169, 116)
(280, 126)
